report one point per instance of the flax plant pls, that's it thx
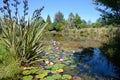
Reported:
(23, 39)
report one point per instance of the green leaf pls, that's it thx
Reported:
(26, 72)
(27, 77)
(66, 77)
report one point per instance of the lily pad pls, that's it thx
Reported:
(26, 72)
(56, 77)
(27, 77)
(66, 77)
(41, 76)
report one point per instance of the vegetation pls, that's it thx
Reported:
(49, 26)
(59, 22)
(111, 48)
(9, 66)
(110, 10)
(22, 52)
(22, 39)
(111, 15)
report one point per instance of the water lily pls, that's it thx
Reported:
(73, 51)
(46, 54)
(25, 68)
(61, 60)
(47, 62)
(57, 48)
(54, 43)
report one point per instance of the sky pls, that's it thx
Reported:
(85, 8)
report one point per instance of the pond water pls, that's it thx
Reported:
(95, 63)
(87, 59)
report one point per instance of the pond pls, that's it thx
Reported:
(93, 62)
(84, 57)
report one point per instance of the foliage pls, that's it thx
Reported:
(0, 30)
(77, 21)
(23, 39)
(71, 17)
(111, 48)
(59, 22)
(59, 17)
(23, 42)
(66, 77)
(56, 76)
(49, 27)
(50, 69)
(59, 26)
(97, 25)
(48, 20)
(9, 66)
(110, 10)
(43, 74)
(70, 20)
(27, 77)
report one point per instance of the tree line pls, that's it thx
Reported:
(74, 21)
(110, 16)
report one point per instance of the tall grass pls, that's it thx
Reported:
(9, 67)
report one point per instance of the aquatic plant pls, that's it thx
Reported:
(66, 77)
(27, 77)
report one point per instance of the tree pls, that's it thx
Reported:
(59, 21)
(83, 22)
(70, 20)
(48, 20)
(102, 21)
(49, 26)
(97, 25)
(110, 10)
(71, 17)
(89, 22)
(59, 17)
(77, 21)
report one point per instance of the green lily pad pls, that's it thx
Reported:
(26, 72)
(56, 77)
(42, 74)
(48, 78)
(66, 77)
(27, 77)
(57, 66)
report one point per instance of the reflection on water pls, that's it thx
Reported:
(97, 64)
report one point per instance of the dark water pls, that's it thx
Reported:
(95, 64)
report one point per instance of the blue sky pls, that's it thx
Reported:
(84, 8)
